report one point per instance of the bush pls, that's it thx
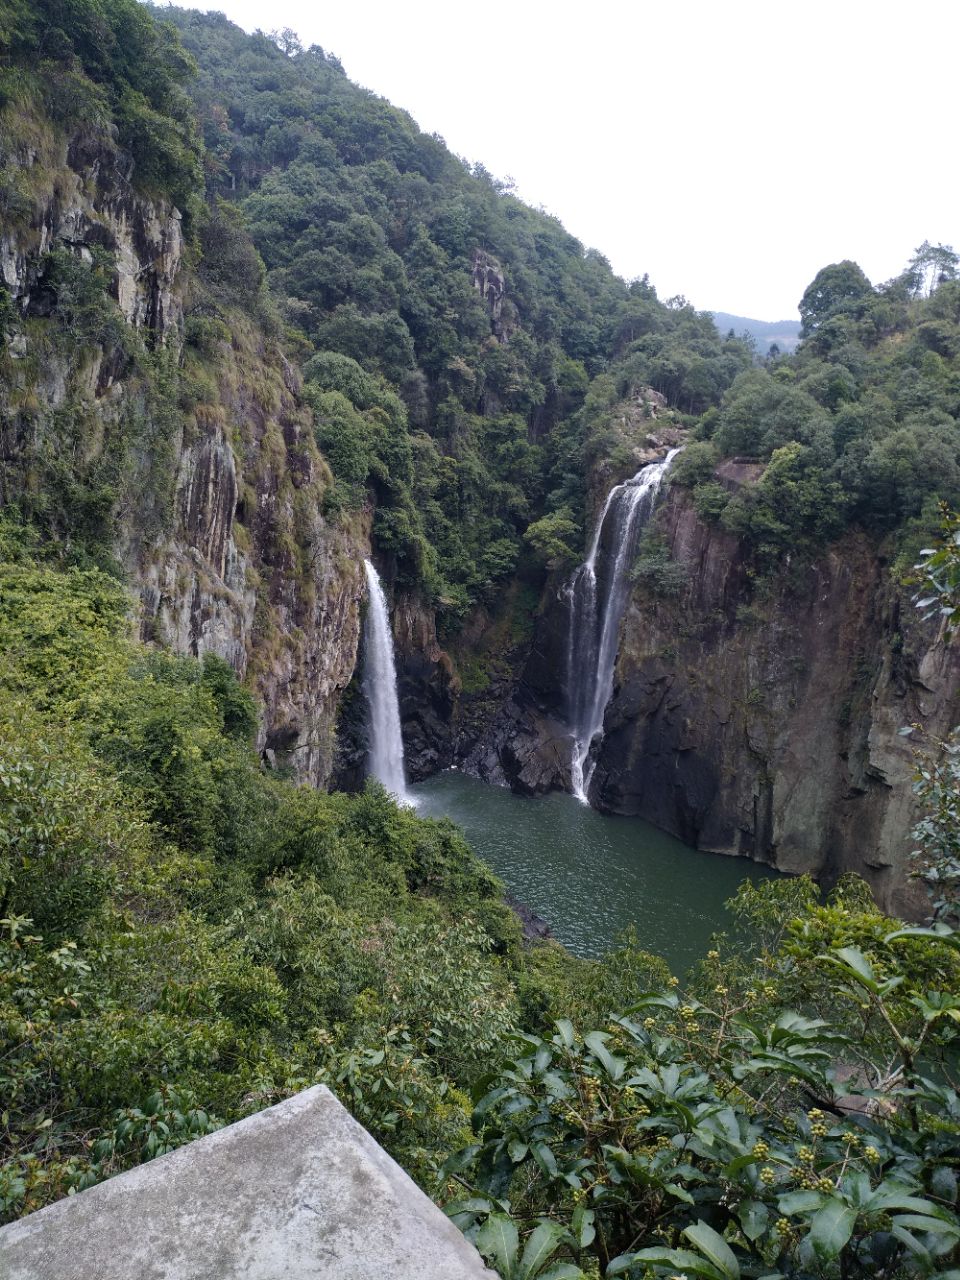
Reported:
(695, 465)
(655, 568)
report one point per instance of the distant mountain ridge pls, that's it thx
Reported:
(785, 333)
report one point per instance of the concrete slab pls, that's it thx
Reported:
(298, 1192)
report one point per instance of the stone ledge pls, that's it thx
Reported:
(298, 1192)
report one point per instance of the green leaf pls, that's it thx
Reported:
(653, 1000)
(582, 1225)
(461, 1160)
(856, 964)
(595, 1043)
(943, 1183)
(517, 1150)
(542, 1242)
(799, 1202)
(912, 1243)
(887, 1197)
(491, 1100)
(754, 1217)
(712, 1244)
(617, 1266)
(678, 1192)
(472, 1204)
(938, 932)
(923, 1222)
(561, 1271)
(542, 1059)
(545, 1158)
(682, 1259)
(832, 1226)
(565, 1028)
(498, 1241)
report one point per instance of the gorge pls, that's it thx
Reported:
(241, 493)
(323, 456)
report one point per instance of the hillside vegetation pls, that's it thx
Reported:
(860, 427)
(448, 332)
(186, 938)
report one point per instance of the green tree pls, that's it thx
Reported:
(840, 289)
(931, 266)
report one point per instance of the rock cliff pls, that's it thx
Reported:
(760, 720)
(194, 452)
(766, 722)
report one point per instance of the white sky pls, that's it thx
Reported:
(728, 149)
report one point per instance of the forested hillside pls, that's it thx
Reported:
(255, 327)
(783, 334)
(483, 319)
(861, 427)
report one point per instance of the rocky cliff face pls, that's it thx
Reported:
(75, 192)
(223, 537)
(767, 723)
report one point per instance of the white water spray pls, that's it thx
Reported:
(596, 611)
(380, 686)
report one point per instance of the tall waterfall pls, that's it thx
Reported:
(380, 686)
(597, 605)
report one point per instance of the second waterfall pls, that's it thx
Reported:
(597, 595)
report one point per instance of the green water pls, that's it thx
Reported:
(590, 875)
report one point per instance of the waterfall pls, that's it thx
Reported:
(380, 686)
(596, 611)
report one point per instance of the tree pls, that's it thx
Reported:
(839, 289)
(555, 538)
(287, 41)
(930, 266)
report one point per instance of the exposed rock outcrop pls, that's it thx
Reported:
(770, 726)
(87, 201)
(216, 487)
(489, 282)
(427, 689)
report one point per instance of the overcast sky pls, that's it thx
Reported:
(729, 150)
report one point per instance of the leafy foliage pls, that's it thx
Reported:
(137, 68)
(187, 937)
(940, 575)
(867, 411)
(449, 332)
(682, 1139)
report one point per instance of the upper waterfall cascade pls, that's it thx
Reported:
(380, 686)
(597, 595)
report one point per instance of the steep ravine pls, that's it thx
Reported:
(762, 723)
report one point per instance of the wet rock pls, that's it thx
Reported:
(535, 928)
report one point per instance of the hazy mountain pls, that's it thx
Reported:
(785, 333)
